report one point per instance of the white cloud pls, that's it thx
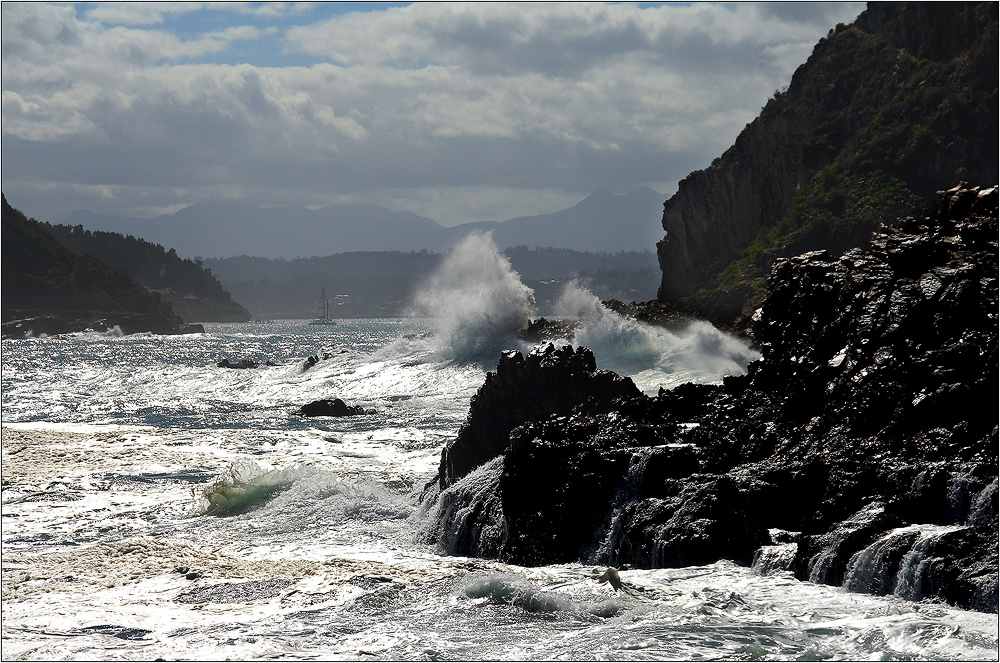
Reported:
(139, 13)
(264, 9)
(154, 13)
(414, 105)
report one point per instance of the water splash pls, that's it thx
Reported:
(657, 356)
(467, 518)
(476, 299)
(984, 505)
(607, 540)
(243, 487)
(774, 559)
(516, 590)
(914, 566)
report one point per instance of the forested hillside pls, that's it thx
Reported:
(41, 277)
(193, 292)
(886, 111)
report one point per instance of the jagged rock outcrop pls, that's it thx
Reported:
(883, 110)
(550, 381)
(541, 330)
(861, 450)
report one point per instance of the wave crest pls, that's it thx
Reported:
(477, 301)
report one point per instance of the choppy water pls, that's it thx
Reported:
(155, 505)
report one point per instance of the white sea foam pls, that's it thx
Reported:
(105, 558)
(653, 356)
(476, 299)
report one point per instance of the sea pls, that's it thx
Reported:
(157, 506)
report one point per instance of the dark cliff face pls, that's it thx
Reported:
(867, 434)
(885, 109)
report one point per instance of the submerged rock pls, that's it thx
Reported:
(323, 355)
(866, 437)
(242, 363)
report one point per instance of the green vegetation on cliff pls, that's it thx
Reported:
(41, 275)
(886, 111)
(193, 292)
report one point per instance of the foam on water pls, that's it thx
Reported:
(476, 299)
(330, 566)
(653, 356)
(314, 548)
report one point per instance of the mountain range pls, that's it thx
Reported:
(601, 222)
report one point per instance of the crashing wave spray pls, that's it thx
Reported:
(476, 299)
(699, 352)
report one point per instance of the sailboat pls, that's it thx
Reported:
(323, 315)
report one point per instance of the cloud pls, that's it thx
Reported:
(564, 39)
(155, 13)
(414, 103)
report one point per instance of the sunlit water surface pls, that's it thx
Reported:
(155, 505)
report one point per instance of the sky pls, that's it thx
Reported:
(456, 111)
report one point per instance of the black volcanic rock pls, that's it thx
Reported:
(867, 433)
(330, 408)
(541, 330)
(242, 363)
(550, 381)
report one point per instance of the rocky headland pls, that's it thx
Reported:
(23, 325)
(861, 450)
(48, 289)
(884, 111)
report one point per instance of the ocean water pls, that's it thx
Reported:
(157, 506)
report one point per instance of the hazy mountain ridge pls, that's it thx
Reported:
(382, 283)
(601, 222)
(885, 112)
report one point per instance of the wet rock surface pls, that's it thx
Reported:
(541, 330)
(660, 314)
(330, 408)
(548, 382)
(73, 322)
(242, 363)
(866, 435)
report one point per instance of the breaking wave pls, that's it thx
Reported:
(515, 590)
(243, 487)
(699, 352)
(477, 301)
